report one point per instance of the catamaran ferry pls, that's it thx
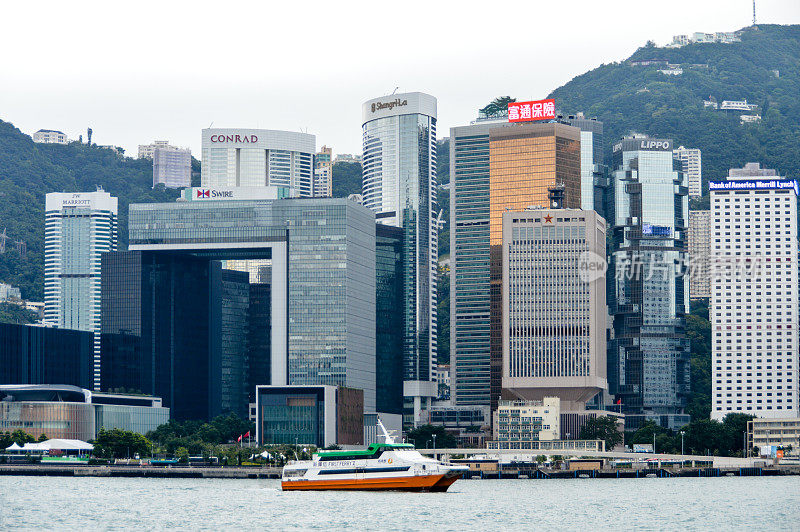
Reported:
(382, 466)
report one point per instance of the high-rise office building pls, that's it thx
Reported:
(257, 158)
(399, 185)
(172, 167)
(319, 306)
(495, 166)
(79, 227)
(593, 172)
(692, 166)
(554, 305)
(388, 321)
(648, 359)
(525, 162)
(754, 297)
(699, 242)
(323, 173)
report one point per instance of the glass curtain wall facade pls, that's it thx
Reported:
(525, 161)
(399, 185)
(45, 355)
(649, 356)
(79, 227)
(259, 337)
(321, 295)
(258, 157)
(157, 318)
(469, 254)
(389, 322)
(594, 174)
(234, 306)
(331, 293)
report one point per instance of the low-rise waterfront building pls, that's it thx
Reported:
(780, 432)
(72, 412)
(309, 415)
(527, 421)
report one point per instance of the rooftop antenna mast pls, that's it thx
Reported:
(395, 90)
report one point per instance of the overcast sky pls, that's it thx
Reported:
(145, 70)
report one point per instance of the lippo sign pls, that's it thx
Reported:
(528, 111)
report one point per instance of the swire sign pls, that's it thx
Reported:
(529, 111)
(206, 193)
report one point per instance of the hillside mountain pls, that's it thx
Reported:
(764, 69)
(28, 171)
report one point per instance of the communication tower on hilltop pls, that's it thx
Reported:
(89, 136)
(754, 12)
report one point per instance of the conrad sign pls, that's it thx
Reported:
(247, 139)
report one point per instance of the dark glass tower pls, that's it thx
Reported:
(388, 321)
(648, 359)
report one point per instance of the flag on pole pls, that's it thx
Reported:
(239, 439)
(247, 434)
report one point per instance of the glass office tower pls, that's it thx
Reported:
(399, 185)
(79, 227)
(389, 322)
(319, 307)
(594, 178)
(648, 358)
(495, 166)
(525, 162)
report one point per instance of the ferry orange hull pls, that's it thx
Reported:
(416, 483)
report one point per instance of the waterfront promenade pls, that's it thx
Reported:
(530, 455)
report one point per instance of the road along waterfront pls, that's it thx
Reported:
(724, 503)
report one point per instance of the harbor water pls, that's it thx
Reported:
(725, 503)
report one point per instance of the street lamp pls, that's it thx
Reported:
(682, 433)
(434, 445)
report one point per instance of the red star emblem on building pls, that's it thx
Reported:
(548, 219)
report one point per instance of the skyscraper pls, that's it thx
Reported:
(399, 185)
(257, 158)
(554, 305)
(172, 167)
(692, 167)
(699, 242)
(495, 166)
(754, 298)
(79, 227)
(648, 359)
(319, 304)
(525, 162)
(593, 171)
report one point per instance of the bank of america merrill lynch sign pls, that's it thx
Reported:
(527, 111)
